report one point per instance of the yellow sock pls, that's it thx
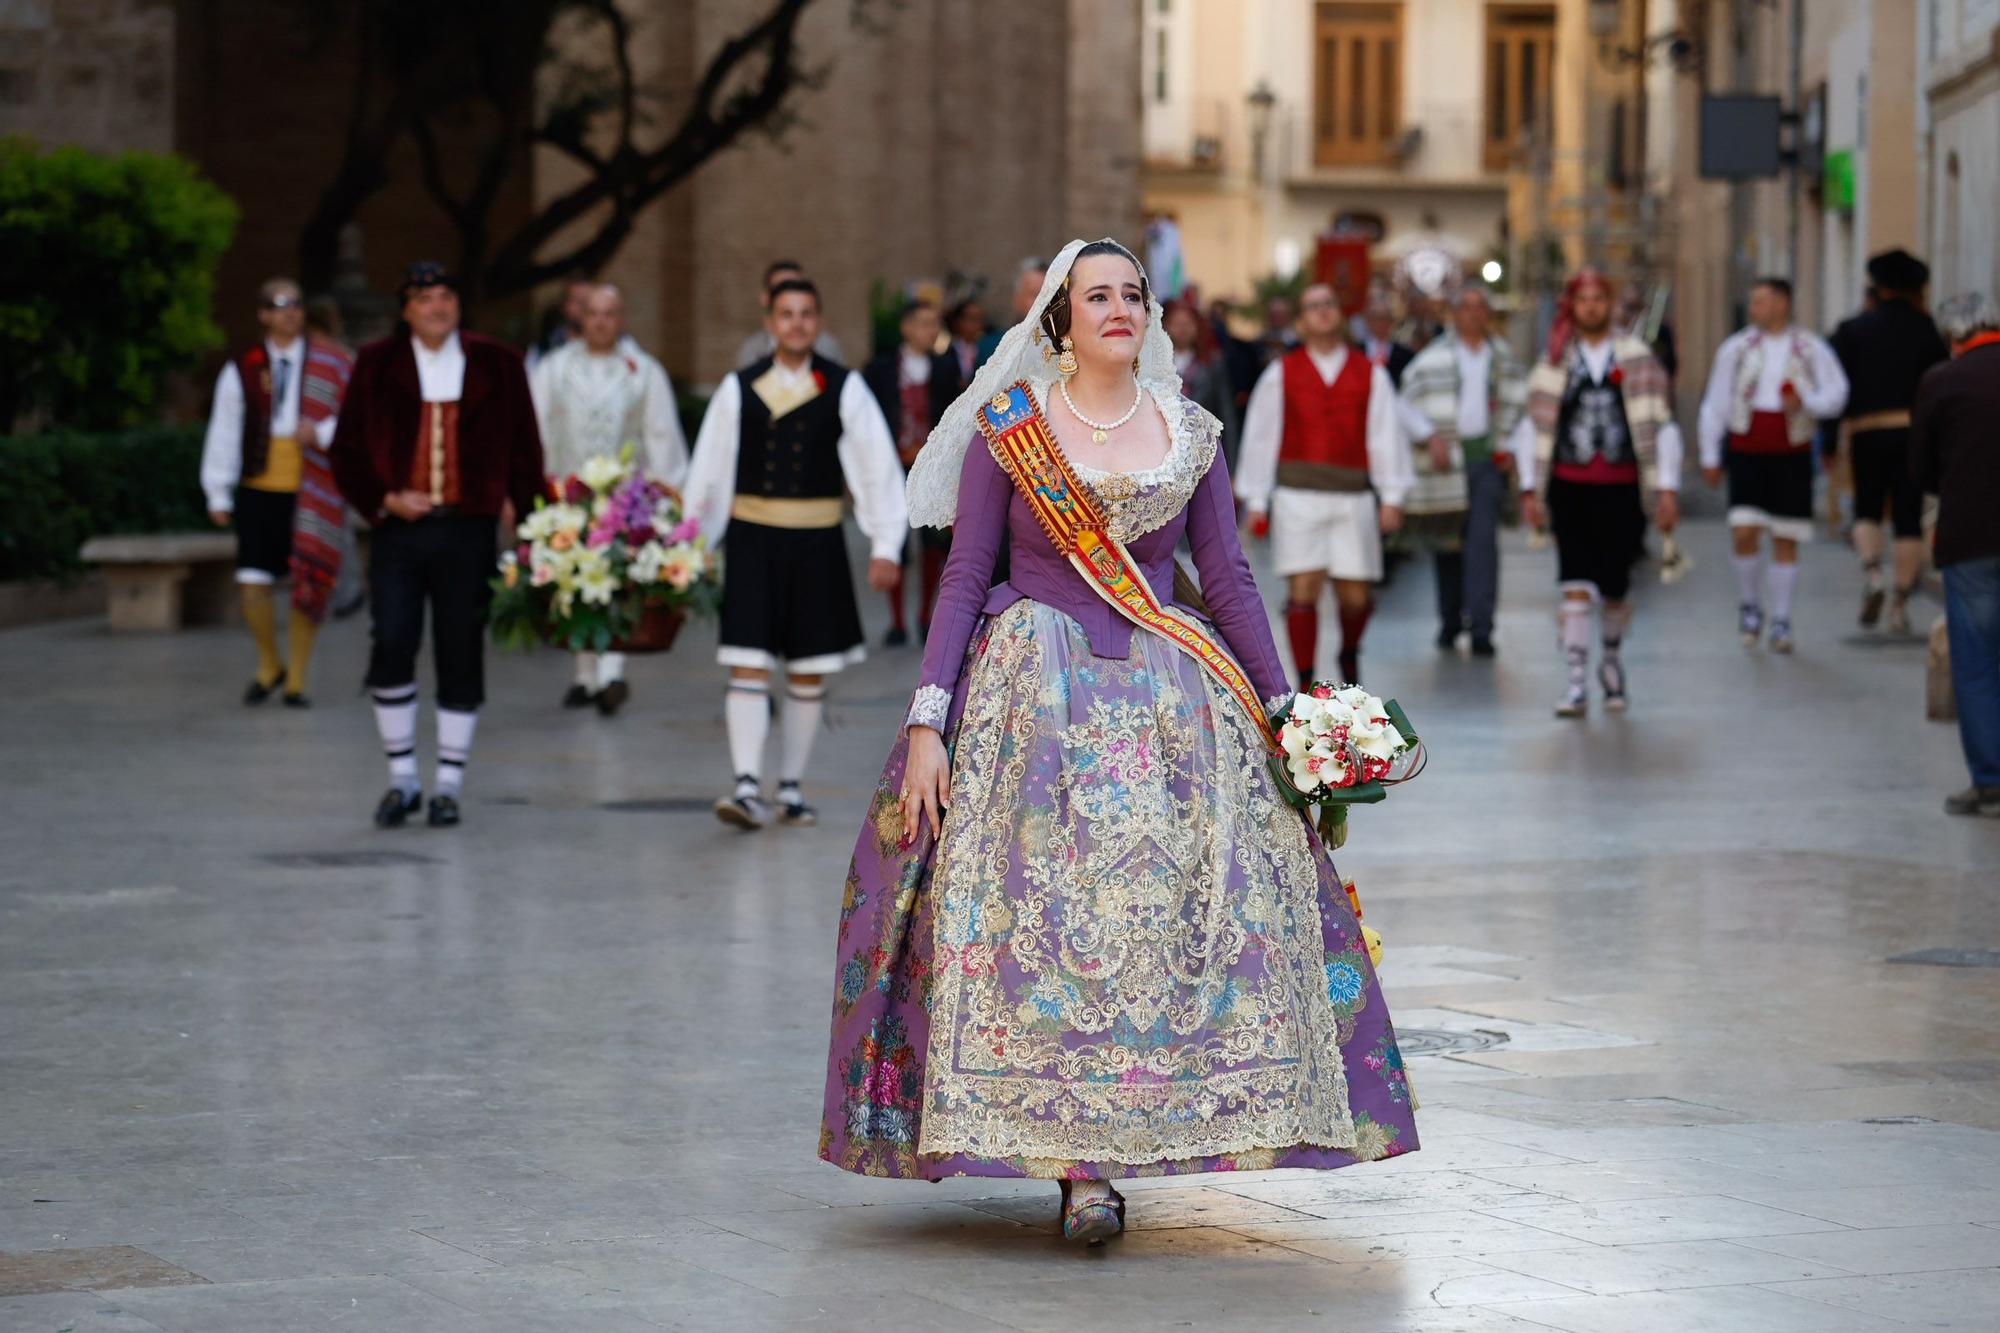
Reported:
(300, 633)
(260, 612)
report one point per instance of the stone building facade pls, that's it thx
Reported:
(946, 135)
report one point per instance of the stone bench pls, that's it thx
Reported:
(163, 581)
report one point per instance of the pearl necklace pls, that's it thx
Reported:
(1100, 429)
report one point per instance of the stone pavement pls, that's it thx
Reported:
(262, 1067)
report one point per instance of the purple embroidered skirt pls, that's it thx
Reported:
(1126, 955)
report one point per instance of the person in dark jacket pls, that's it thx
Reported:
(1884, 351)
(1955, 455)
(915, 383)
(438, 449)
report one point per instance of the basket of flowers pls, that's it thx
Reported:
(608, 562)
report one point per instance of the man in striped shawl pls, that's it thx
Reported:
(1462, 397)
(264, 469)
(1597, 449)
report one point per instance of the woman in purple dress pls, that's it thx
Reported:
(1084, 936)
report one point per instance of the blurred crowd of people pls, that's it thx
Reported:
(1407, 425)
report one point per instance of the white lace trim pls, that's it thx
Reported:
(1277, 701)
(930, 706)
(1141, 502)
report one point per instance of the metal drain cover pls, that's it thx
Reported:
(1439, 1041)
(661, 805)
(346, 860)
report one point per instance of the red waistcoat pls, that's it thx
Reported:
(1326, 423)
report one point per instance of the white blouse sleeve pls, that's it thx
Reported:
(1263, 429)
(711, 477)
(874, 471)
(222, 450)
(1390, 469)
(666, 443)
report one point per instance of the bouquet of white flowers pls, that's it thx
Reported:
(1342, 746)
(607, 561)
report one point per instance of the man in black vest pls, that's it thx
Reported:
(913, 384)
(783, 440)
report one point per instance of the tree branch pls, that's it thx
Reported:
(634, 179)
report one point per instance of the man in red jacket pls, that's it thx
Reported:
(437, 448)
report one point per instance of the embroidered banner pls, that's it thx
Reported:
(1026, 448)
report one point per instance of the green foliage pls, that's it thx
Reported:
(106, 272)
(63, 489)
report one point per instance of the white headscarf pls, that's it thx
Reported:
(933, 482)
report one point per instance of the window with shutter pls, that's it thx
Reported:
(1357, 82)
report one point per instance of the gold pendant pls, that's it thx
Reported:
(1097, 437)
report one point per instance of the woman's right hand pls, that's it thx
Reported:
(926, 782)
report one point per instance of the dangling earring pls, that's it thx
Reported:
(1135, 366)
(1066, 363)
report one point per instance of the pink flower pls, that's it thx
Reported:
(1322, 691)
(684, 531)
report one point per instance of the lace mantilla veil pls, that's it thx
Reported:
(933, 481)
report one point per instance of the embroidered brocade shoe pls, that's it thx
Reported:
(579, 696)
(1092, 1217)
(1750, 623)
(443, 812)
(396, 806)
(612, 697)
(1781, 636)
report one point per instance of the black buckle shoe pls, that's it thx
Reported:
(443, 812)
(257, 691)
(896, 638)
(297, 700)
(792, 807)
(612, 697)
(1482, 647)
(579, 696)
(396, 806)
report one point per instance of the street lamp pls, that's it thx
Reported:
(1262, 102)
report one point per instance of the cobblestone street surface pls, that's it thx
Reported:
(263, 1067)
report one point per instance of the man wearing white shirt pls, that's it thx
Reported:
(781, 443)
(438, 449)
(1321, 444)
(594, 395)
(264, 471)
(1772, 383)
(1461, 398)
(1598, 444)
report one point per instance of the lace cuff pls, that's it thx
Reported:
(1277, 701)
(929, 707)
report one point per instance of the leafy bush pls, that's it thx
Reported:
(63, 489)
(106, 272)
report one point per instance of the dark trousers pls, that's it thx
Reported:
(1972, 619)
(445, 562)
(1468, 580)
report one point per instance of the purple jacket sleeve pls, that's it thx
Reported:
(1228, 586)
(983, 494)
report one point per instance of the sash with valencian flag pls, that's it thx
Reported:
(1026, 449)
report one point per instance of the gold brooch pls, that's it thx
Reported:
(1002, 401)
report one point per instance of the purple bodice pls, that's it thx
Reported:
(990, 510)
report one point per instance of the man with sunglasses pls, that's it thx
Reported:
(264, 469)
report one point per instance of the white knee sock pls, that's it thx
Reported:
(586, 670)
(1573, 630)
(803, 706)
(610, 667)
(396, 722)
(1748, 567)
(1784, 578)
(454, 748)
(746, 710)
